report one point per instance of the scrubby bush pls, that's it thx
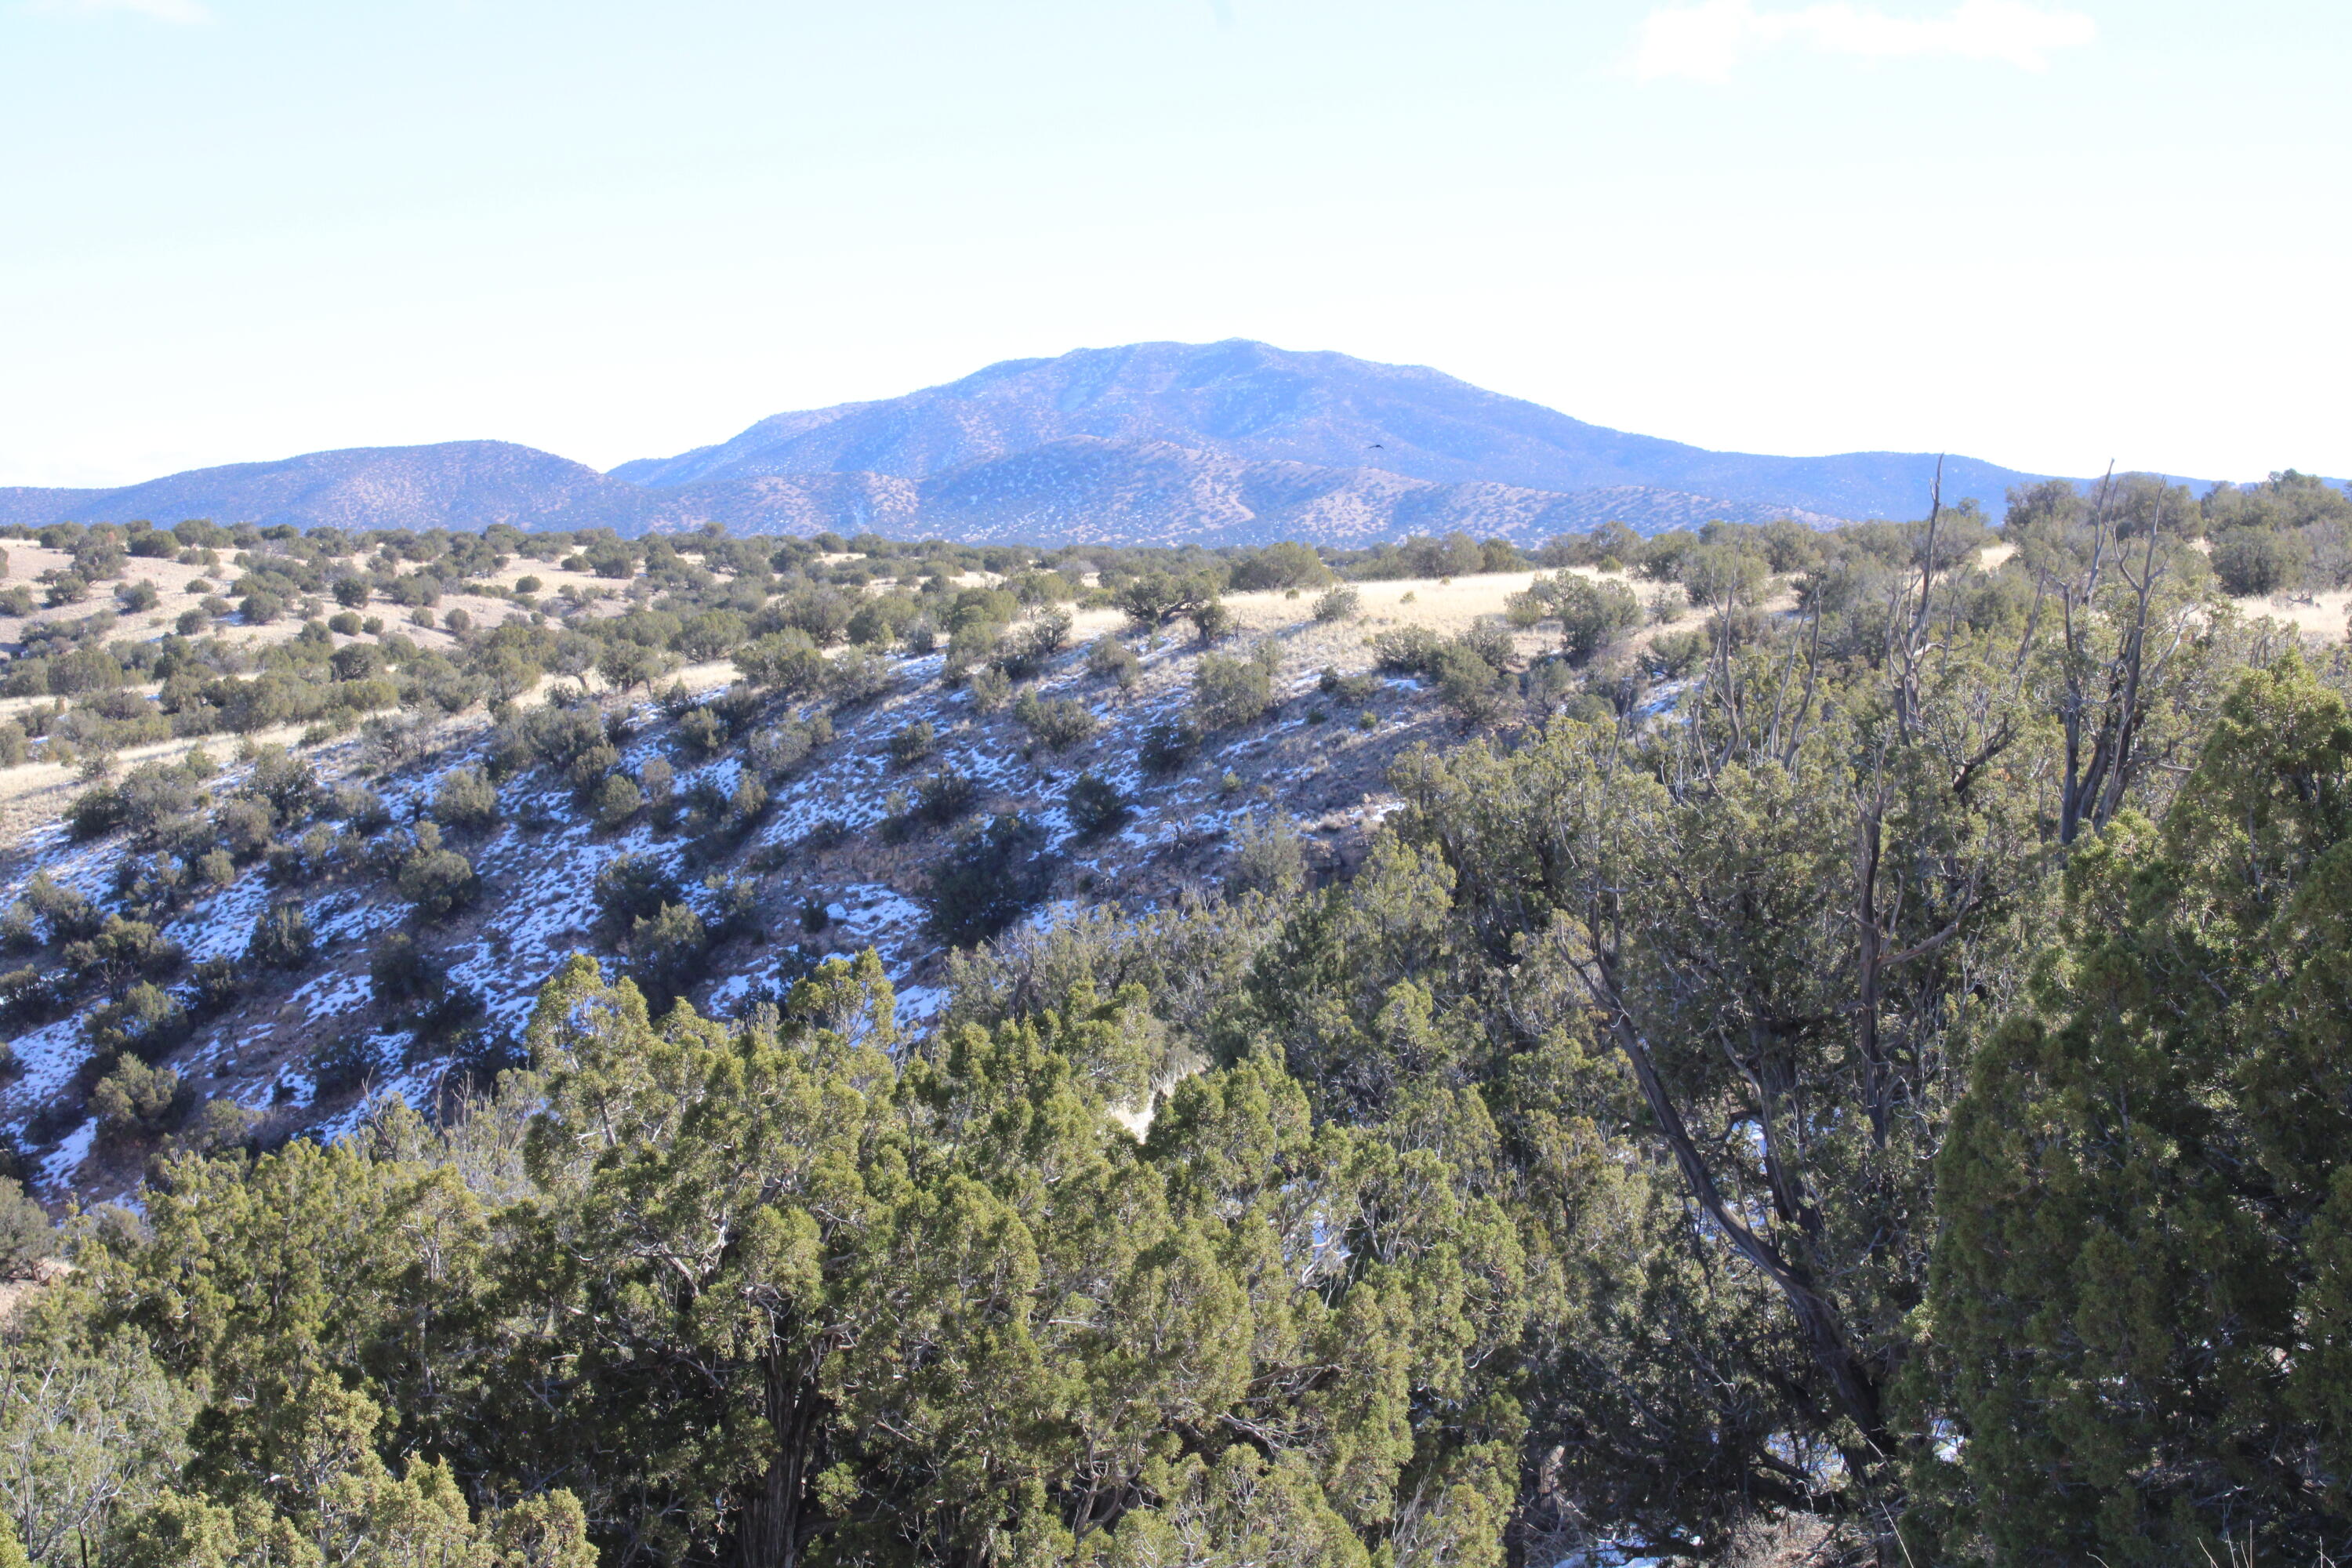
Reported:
(586, 773)
(944, 797)
(1675, 655)
(880, 622)
(1719, 575)
(400, 971)
(1340, 604)
(436, 880)
(617, 799)
(657, 778)
(540, 737)
(281, 938)
(31, 997)
(1269, 856)
(989, 688)
(1551, 684)
(666, 952)
(287, 781)
(1094, 806)
(1407, 650)
(66, 912)
(749, 802)
(709, 635)
(242, 829)
(1108, 658)
(1154, 599)
(971, 645)
(700, 733)
(2251, 561)
(1057, 723)
(121, 950)
(781, 748)
(1168, 744)
(1592, 614)
(360, 808)
(135, 1099)
(1232, 692)
(629, 889)
(1286, 565)
(1471, 684)
(344, 1065)
(787, 662)
(216, 1127)
(358, 660)
(991, 875)
(913, 743)
(147, 794)
(27, 1238)
(147, 1022)
(854, 678)
(1024, 652)
(466, 800)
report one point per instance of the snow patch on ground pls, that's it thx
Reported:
(331, 994)
(59, 1163)
(49, 1058)
(222, 928)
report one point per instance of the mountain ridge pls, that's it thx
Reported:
(1253, 402)
(1081, 489)
(1230, 443)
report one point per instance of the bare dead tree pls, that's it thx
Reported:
(2101, 697)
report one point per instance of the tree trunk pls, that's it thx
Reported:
(773, 1526)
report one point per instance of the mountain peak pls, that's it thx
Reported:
(1253, 402)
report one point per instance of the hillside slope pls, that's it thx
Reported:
(832, 861)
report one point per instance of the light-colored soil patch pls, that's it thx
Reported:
(2321, 614)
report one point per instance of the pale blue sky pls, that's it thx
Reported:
(2043, 232)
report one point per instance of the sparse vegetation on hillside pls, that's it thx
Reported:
(1477, 1080)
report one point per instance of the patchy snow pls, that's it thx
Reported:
(222, 928)
(58, 1164)
(417, 1084)
(871, 910)
(919, 1006)
(48, 1057)
(1663, 697)
(333, 994)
